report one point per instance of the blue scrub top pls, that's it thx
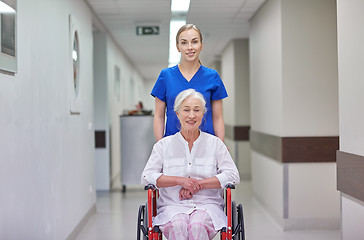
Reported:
(171, 82)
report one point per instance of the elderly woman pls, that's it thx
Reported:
(190, 169)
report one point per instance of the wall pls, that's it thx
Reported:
(310, 105)
(47, 169)
(351, 85)
(236, 108)
(294, 93)
(266, 103)
(309, 68)
(112, 100)
(132, 90)
(265, 69)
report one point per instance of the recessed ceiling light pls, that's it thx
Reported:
(5, 8)
(180, 5)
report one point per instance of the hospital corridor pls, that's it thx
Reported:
(99, 98)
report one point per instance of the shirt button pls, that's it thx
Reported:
(189, 163)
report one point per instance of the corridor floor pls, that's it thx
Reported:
(116, 218)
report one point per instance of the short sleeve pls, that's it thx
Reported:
(159, 89)
(219, 91)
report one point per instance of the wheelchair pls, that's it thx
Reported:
(234, 212)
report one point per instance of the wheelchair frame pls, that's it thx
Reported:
(235, 220)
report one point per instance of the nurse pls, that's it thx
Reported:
(189, 73)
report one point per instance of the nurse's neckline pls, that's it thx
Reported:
(190, 74)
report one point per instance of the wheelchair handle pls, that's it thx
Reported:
(230, 185)
(149, 186)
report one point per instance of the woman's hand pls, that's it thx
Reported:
(191, 184)
(185, 194)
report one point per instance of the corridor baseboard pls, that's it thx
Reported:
(73, 235)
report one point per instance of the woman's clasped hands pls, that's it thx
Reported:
(189, 186)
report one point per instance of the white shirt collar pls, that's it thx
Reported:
(195, 142)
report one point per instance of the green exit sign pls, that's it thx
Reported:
(147, 30)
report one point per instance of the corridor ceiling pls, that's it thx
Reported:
(219, 20)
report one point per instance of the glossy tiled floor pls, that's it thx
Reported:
(116, 218)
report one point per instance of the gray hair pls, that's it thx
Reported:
(186, 94)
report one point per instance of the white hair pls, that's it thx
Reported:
(186, 94)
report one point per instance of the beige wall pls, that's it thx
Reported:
(265, 101)
(294, 92)
(266, 69)
(309, 68)
(351, 85)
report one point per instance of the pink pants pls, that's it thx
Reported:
(195, 226)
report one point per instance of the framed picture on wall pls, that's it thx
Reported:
(8, 39)
(74, 66)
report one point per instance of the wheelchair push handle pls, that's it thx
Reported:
(230, 185)
(149, 186)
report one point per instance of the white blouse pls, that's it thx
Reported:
(209, 157)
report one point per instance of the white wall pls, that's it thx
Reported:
(101, 110)
(313, 201)
(310, 105)
(352, 218)
(351, 72)
(149, 100)
(235, 74)
(266, 69)
(309, 68)
(294, 92)
(351, 85)
(132, 90)
(266, 103)
(46, 154)
(109, 106)
(267, 184)
(228, 77)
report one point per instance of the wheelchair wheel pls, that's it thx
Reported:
(140, 219)
(142, 222)
(234, 220)
(145, 222)
(241, 222)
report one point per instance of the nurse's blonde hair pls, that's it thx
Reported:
(188, 27)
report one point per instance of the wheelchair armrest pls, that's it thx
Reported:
(149, 186)
(230, 185)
